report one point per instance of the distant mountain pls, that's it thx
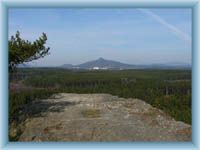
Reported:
(104, 64)
(67, 66)
(100, 63)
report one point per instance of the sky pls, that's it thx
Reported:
(128, 35)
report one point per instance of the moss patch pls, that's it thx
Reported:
(91, 113)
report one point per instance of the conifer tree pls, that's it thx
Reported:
(21, 51)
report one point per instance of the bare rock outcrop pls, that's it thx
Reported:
(100, 117)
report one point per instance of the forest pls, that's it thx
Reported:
(168, 90)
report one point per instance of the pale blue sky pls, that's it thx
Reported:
(134, 36)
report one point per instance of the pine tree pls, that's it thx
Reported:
(21, 51)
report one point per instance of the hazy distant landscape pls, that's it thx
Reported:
(100, 74)
(105, 64)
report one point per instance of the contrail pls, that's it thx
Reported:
(171, 27)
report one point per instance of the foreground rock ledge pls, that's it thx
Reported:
(100, 117)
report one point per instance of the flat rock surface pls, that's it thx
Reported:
(100, 117)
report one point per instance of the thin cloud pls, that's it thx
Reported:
(182, 35)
